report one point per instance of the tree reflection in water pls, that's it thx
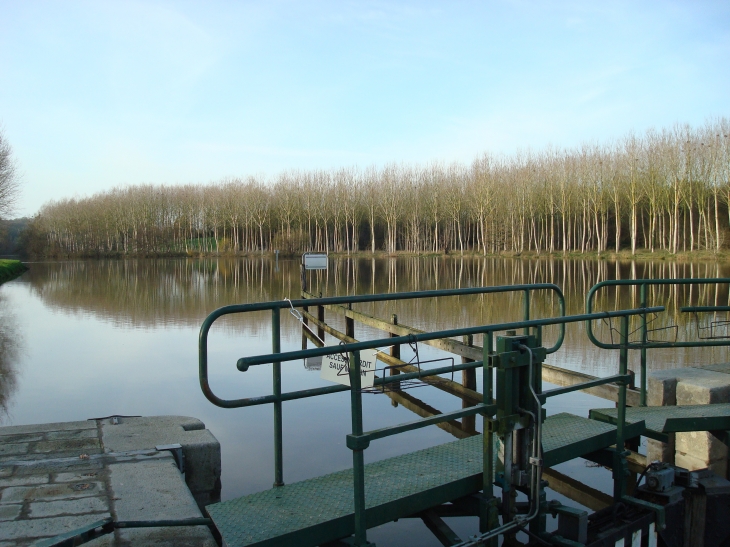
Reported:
(10, 344)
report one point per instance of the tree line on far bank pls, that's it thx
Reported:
(664, 190)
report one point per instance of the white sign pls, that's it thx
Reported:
(336, 368)
(315, 261)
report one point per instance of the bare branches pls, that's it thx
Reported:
(9, 184)
(667, 190)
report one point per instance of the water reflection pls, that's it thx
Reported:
(145, 293)
(10, 347)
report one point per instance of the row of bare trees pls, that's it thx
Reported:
(666, 190)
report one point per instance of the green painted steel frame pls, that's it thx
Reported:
(645, 344)
(358, 440)
(526, 289)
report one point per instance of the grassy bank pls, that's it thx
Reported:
(10, 269)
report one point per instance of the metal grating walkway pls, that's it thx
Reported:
(319, 510)
(661, 420)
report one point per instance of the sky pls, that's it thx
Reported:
(100, 94)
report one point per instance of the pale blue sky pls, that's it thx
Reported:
(96, 94)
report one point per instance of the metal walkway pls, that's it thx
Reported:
(319, 510)
(662, 420)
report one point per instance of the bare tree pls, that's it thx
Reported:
(9, 184)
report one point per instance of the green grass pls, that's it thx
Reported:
(10, 269)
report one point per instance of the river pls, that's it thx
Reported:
(87, 339)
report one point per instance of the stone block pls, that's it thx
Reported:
(51, 492)
(77, 477)
(684, 386)
(25, 480)
(715, 388)
(702, 445)
(73, 434)
(10, 512)
(719, 467)
(14, 449)
(150, 490)
(68, 446)
(188, 536)
(23, 438)
(6, 471)
(80, 506)
(200, 447)
(44, 428)
(659, 451)
(39, 528)
(154, 490)
(661, 388)
(717, 367)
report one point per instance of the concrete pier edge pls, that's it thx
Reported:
(57, 477)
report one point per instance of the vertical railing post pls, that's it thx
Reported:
(620, 469)
(469, 381)
(526, 309)
(488, 515)
(358, 456)
(276, 348)
(349, 324)
(644, 338)
(394, 352)
(320, 317)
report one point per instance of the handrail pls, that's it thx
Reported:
(276, 306)
(359, 440)
(245, 362)
(643, 283)
(644, 344)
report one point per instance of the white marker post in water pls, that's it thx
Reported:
(336, 368)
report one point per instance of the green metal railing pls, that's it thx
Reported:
(644, 344)
(277, 397)
(359, 440)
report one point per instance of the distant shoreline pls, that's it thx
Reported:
(624, 255)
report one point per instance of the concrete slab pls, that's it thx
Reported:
(165, 495)
(664, 386)
(10, 512)
(14, 449)
(48, 492)
(76, 477)
(719, 367)
(68, 507)
(189, 536)
(45, 428)
(55, 478)
(657, 451)
(714, 388)
(73, 445)
(701, 444)
(40, 528)
(26, 480)
(200, 448)
(75, 434)
(707, 384)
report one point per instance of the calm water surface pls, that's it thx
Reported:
(87, 339)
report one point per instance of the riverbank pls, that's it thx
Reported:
(10, 269)
(642, 255)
